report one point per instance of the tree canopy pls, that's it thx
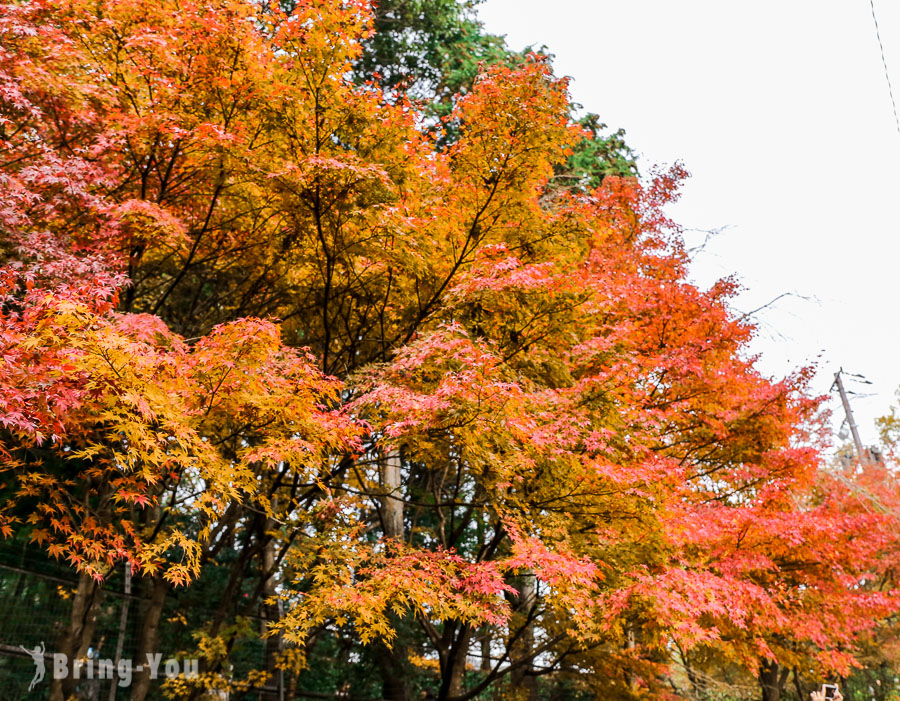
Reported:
(415, 375)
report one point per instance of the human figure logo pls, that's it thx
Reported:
(37, 656)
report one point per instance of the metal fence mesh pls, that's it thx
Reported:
(36, 609)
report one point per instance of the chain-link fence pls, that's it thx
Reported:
(36, 600)
(35, 612)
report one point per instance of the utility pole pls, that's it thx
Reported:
(860, 451)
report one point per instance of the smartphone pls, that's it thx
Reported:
(830, 690)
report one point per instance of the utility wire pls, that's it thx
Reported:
(884, 63)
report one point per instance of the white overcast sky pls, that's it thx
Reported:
(780, 111)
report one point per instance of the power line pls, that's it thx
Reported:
(884, 63)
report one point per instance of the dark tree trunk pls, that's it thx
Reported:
(772, 678)
(77, 639)
(457, 670)
(149, 638)
(393, 666)
(798, 685)
(486, 637)
(522, 677)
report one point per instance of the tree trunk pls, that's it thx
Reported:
(274, 676)
(772, 679)
(521, 676)
(393, 662)
(77, 639)
(123, 626)
(457, 667)
(486, 664)
(798, 685)
(392, 503)
(393, 666)
(149, 639)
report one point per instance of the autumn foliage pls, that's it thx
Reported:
(417, 394)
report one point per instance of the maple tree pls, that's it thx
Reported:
(267, 331)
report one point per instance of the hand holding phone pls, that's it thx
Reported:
(828, 692)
